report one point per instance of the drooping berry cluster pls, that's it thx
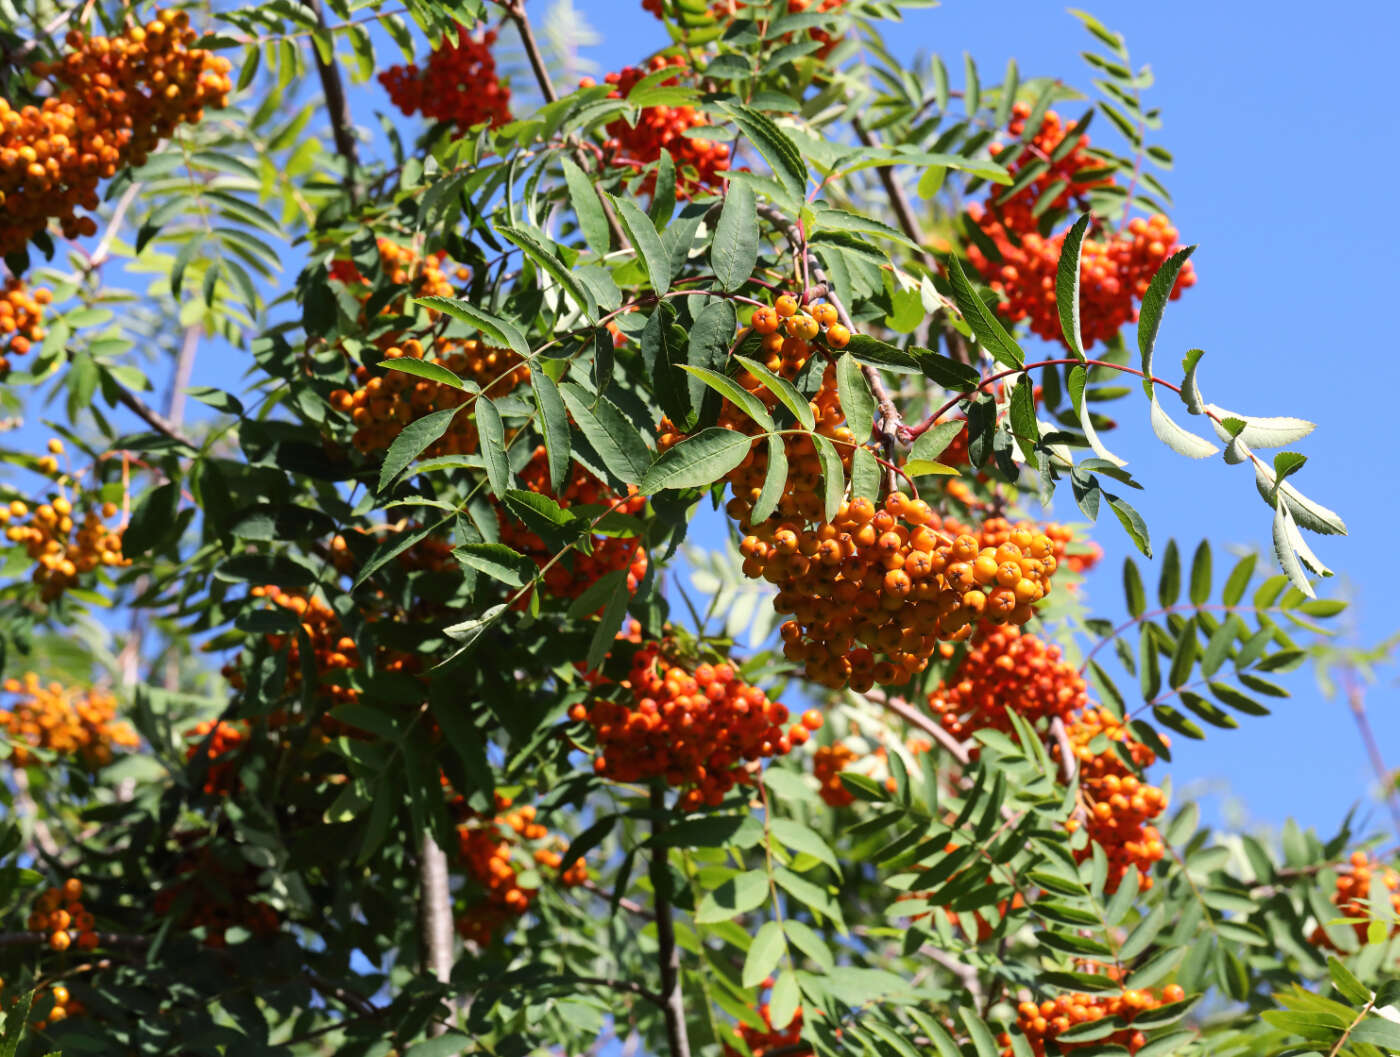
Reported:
(64, 1005)
(699, 162)
(458, 84)
(77, 723)
(828, 761)
(218, 890)
(700, 728)
(62, 546)
(728, 9)
(1352, 897)
(576, 571)
(1115, 267)
(403, 266)
(115, 99)
(21, 318)
(1119, 807)
(1043, 1023)
(765, 1040)
(331, 649)
(1006, 670)
(59, 912)
(489, 850)
(218, 740)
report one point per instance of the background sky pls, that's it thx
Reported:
(1284, 133)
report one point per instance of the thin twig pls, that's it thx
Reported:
(913, 716)
(672, 1002)
(1069, 763)
(151, 417)
(338, 107)
(899, 201)
(966, 974)
(436, 914)
(1356, 701)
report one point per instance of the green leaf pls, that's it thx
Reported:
(797, 837)
(593, 222)
(447, 1045)
(735, 393)
(783, 1001)
(765, 953)
(414, 439)
(1022, 417)
(605, 634)
(497, 561)
(774, 482)
(855, 396)
(1180, 440)
(1067, 285)
(698, 461)
(545, 257)
(833, 476)
(1131, 521)
(554, 424)
(737, 895)
(1169, 583)
(152, 520)
(1133, 590)
(1238, 580)
(734, 251)
(1201, 574)
(1170, 717)
(1183, 657)
(493, 445)
(1153, 302)
(646, 241)
(933, 442)
(804, 938)
(494, 328)
(990, 334)
(865, 475)
(608, 430)
(784, 390)
(433, 372)
(1077, 378)
(774, 146)
(982, 1040)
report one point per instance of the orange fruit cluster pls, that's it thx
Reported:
(828, 761)
(487, 848)
(1042, 1023)
(62, 547)
(64, 1005)
(700, 728)
(459, 83)
(1005, 669)
(577, 571)
(1074, 173)
(78, 723)
(114, 100)
(223, 740)
(385, 402)
(1353, 895)
(60, 912)
(1119, 806)
(403, 266)
(873, 592)
(219, 892)
(700, 163)
(332, 650)
(21, 317)
(730, 8)
(1114, 270)
(765, 1040)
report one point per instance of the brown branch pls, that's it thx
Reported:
(672, 1002)
(914, 717)
(342, 128)
(966, 974)
(151, 417)
(436, 915)
(1356, 701)
(1069, 763)
(899, 201)
(629, 905)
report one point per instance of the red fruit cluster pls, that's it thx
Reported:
(1044, 1022)
(62, 547)
(113, 100)
(77, 723)
(577, 571)
(60, 912)
(331, 649)
(1119, 806)
(488, 849)
(1353, 895)
(218, 739)
(828, 761)
(1115, 267)
(767, 1039)
(700, 163)
(459, 83)
(218, 892)
(700, 728)
(723, 9)
(21, 316)
(1007, 670)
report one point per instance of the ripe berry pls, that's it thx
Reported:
(786, 306)
(837, 336)
(459, 83)
(765, 320)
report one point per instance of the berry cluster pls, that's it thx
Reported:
(332, 650)
(488, 851)
(62, 547)
(873, 592)
(700, 728)
(1006, 669)
(219, 892)
(726, 9)
(1353, 895)
(1115, 267)
(1119, 806)
(1042, 1023)
(459, 83)
(60, 912)
(700, 163)
(402, 266)
(115, 98)
(64, 1005)
(218, 739)
(385, 402)
(78, 723)
(828, 761)
(577, 571)
(21, 316)
(765, 1040)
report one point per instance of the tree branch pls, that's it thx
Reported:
(337, 105)
(1069, 763)
(1356, 701)
(436, 915)
(672, 1004)
(151, 417)
(927, 724)
(899, 201)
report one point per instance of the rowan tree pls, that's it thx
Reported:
(399, 694)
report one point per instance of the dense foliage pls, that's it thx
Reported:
(606, 595)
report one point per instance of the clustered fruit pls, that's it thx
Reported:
(458, 84)
(115, 99)
(700, 728)
(218, 740)
(828, 761)
(64, 1005)
(332, 650)
(1115, 267)
(765, 1040)
(700, 163)
(727, 9)
(1353, 895)
(21, 317)
(1044, 1022)
(54, 718)
(574, 573)
(60, 912)
(488, 849)
(220, 891)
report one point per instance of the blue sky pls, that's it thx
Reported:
(1284, 139)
